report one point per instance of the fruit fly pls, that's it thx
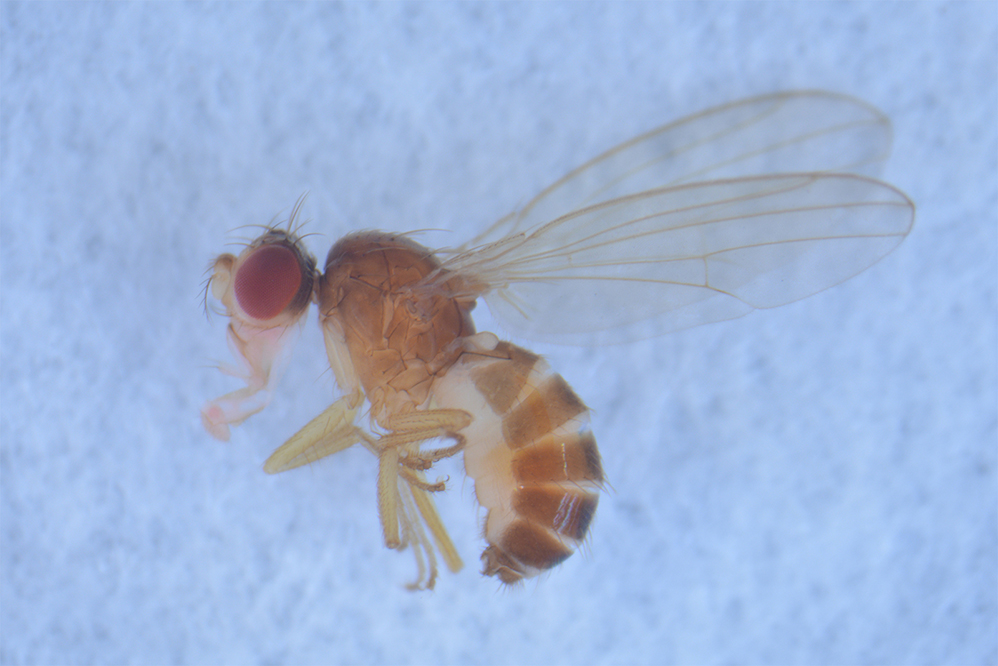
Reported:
(749, 205)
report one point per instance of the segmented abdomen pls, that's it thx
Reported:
(534, 460)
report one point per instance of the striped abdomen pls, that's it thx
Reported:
(534, 460)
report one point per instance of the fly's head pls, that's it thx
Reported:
(270, 283)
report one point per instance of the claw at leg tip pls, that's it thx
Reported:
(212, 420)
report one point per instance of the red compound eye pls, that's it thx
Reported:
(267, 281)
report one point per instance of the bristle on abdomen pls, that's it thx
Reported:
(534, 460)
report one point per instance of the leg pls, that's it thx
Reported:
(330, 432)
(404, 502)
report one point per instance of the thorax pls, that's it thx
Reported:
(399, 332)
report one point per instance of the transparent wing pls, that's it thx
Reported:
(790, 132)
(675, 257)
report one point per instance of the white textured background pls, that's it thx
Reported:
(815, 484)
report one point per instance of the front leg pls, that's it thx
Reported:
(258, 350)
